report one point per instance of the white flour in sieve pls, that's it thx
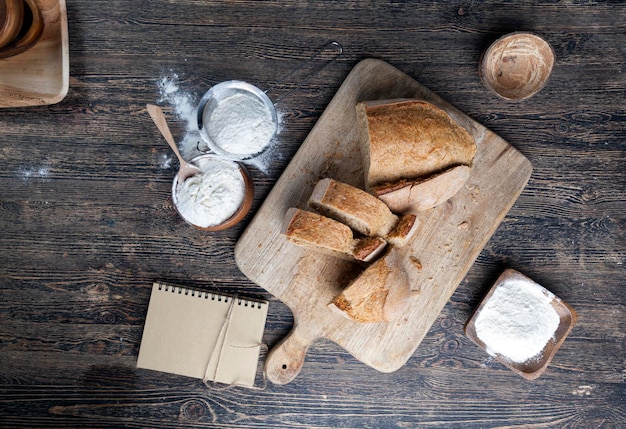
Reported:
(213, 196)
(184, 105)
(240, 124)
(517, 321)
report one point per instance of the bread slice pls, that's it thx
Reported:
(327, 236)
(412, 196)
(368, 248)
(354, 207)
(379, 294)
(409, 139)
(403, 231)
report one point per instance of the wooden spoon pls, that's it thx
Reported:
(186, 169)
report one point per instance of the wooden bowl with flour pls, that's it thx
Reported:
(218, 198)
(521, 324)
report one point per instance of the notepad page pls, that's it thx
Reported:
(182, 335)
(232, 363)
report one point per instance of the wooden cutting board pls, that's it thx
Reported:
(449, 238)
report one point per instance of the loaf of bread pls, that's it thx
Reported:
(354, 207)
(379, 294)
(409, 139)
(328, 236)
(412, 196)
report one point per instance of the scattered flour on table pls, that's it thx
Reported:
(166, 161)
(583, 390)
(184, 105)
(517, 321)
(213, 196)
(41, 172)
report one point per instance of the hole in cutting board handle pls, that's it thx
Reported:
(285, 360)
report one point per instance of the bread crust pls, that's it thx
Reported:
(379, 294)
(413, 196)
(369, 248)
(409, 139)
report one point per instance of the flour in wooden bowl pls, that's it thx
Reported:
(517, 321)
(213, 196)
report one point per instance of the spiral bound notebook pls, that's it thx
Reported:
(203, 335)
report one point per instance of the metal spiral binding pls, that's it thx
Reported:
(213, 296)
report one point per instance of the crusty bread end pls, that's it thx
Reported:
(379, 294)
(409, 139)
(403, 231)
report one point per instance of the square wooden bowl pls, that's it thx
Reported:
(531, 368)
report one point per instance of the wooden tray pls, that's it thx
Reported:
(40, 75)
(444, 248)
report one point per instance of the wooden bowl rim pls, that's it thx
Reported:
(10, 24)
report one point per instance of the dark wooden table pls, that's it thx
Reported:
(87, 222)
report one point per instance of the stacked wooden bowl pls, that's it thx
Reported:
(21, 26)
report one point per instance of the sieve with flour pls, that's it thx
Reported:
(237, 120)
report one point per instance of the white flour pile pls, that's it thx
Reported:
(213, 196)
(271, 153)
(517, 321)
(240, 125)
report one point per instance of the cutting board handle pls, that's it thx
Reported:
(285, 360)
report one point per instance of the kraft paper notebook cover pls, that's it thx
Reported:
(203, 335)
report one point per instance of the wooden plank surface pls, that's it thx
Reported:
(86, 221)
(448, 239)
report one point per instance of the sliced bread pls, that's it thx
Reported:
(354, 207)
(328, 236)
